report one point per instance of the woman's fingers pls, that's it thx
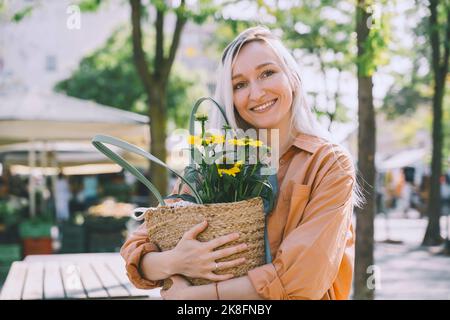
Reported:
(212, 244)
(229, 264)
(219, 277)
(229, 251)
(170, 201)
(195, 230)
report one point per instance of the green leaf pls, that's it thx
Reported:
(184, 196)
(89, 5)
(25, 12)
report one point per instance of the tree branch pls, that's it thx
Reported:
(434, 38)
(159, 49)
(181, 21)
(140, 60)
(444, 67)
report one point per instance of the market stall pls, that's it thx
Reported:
(46, 134)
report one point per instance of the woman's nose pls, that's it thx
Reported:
(256, 92)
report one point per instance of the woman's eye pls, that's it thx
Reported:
(267, 73)
(239, 85)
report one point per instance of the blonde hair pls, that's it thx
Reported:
(303, 119)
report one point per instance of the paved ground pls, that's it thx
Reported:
(407, 270)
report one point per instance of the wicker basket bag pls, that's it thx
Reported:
(167, 225)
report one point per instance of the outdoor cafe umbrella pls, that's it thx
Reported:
(38, 116)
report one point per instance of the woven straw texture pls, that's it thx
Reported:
(166, 227)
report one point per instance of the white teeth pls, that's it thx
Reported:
(264, 106)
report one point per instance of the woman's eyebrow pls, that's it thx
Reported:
(258, 67)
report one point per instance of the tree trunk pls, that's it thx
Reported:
(364, 280)
(433, 233)
(158, 115)
(440, 69)
(155, 84)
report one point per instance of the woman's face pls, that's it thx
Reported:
(261, 91)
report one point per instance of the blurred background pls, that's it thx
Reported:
(375, 72)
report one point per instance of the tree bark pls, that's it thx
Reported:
(156, 83)
(440, 69)
(364, 280)
(158, 126)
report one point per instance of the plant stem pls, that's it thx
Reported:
(260, 189)
(251, 174)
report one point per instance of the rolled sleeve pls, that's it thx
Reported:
(309, 257)
(134, 248)
(267, 283)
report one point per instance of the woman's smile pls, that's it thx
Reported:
(261, 108)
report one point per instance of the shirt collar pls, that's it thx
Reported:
(307, 142)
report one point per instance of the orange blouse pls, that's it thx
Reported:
(310, 229)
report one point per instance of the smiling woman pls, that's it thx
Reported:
(310, 228)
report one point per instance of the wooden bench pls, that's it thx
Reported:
(72, 276)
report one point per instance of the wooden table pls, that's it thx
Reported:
(71, 276)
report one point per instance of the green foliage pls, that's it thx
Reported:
(322, 29)
(376, 44)
(36, 227)
(108, 76)
(160, 5)
(411, 88)
(90, 5)
(226, 31)
(405, 98)
(21, 14)
(8, 215)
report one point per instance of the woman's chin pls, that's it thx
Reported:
(268, 124)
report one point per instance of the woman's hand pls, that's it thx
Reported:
(197, 259)
(178, 290)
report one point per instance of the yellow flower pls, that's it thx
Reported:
(201, 116)
(237, 142)
(219, 139)
(194, 140)
(207, 141)
(232, 171)
(255, 143)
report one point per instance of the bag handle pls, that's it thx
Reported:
(195, 108)
(99, 142)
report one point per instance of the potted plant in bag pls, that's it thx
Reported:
(227, 188)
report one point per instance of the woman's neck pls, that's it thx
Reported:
(284, 141)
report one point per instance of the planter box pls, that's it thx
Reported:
(31, 229)
(105, 241)
(73, 238)
(10, 253)
(9, 234)
(106, 224)
(37, 246)
(4, 269)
